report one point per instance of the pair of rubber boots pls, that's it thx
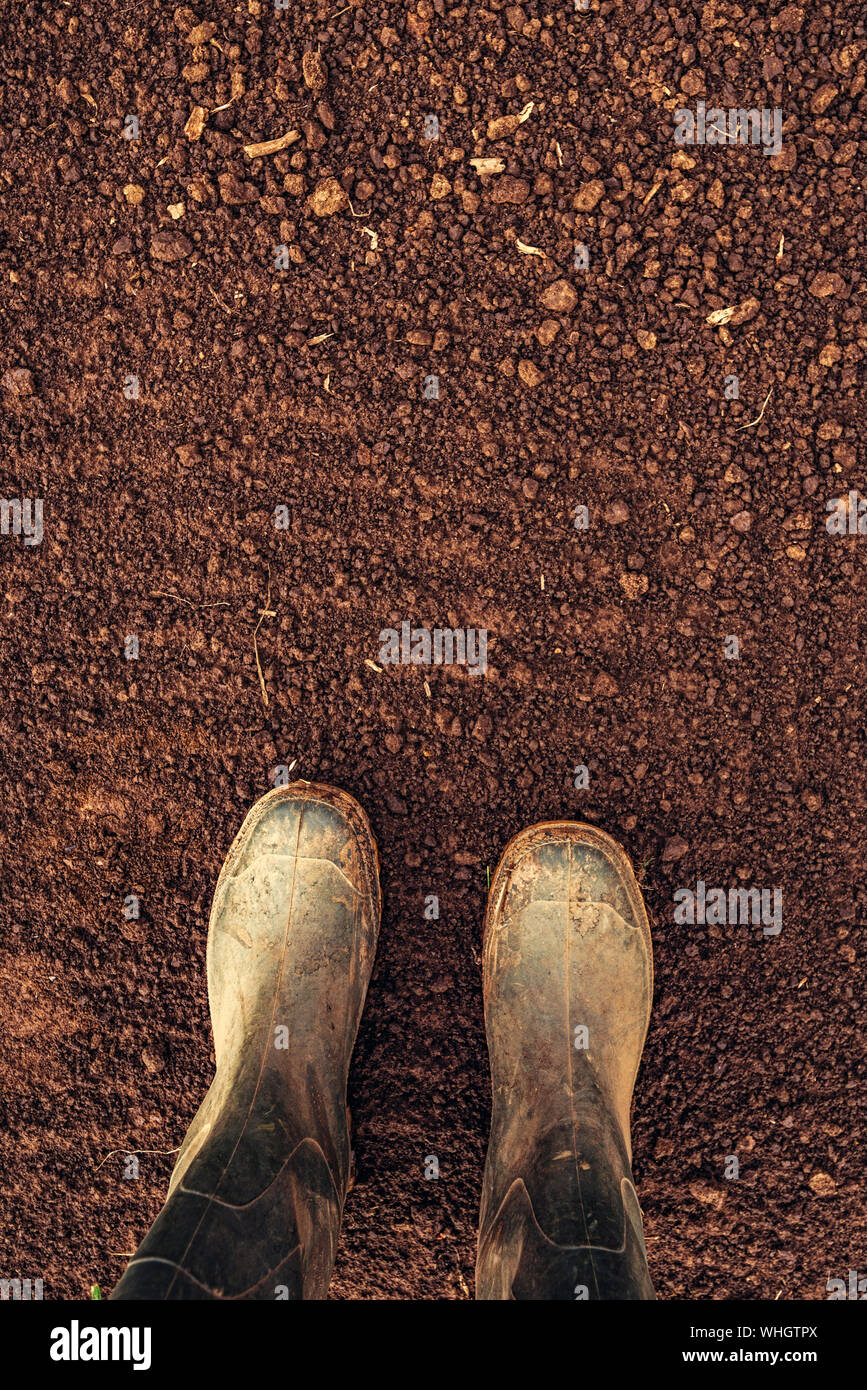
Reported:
(257, 1194)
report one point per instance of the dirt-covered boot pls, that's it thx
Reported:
(256, 1197)
(568, 981)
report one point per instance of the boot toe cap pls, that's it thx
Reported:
(309, 821)
(565, 862)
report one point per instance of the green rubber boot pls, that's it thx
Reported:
(568, 982)
(256, 1197)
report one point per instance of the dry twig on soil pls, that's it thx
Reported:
(266, 612)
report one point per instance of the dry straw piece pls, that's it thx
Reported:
(272, 146)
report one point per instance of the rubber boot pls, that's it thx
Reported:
(256, 1197)
(568, 982)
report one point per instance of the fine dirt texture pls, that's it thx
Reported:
(194, 337)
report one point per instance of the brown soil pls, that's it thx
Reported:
(707, 519)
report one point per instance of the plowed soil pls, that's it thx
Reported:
(193, 337)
